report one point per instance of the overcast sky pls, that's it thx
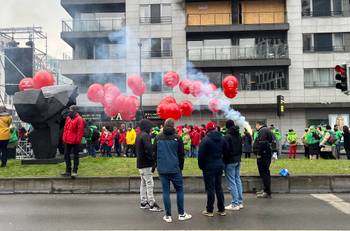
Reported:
(45, 13)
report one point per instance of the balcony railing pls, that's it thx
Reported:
(157, 54)
(244, 18)
(151, 20)
(318, 84)
(93, 25)
(308, 13)
(238, 52)
(324, 49)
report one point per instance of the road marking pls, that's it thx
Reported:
(335, 201)
(206, 230)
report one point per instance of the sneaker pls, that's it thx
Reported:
(241, 206)
(264, 195)
(167, 219)
(155, 208)
(144, 206)
(260, 192)
(232, 207)
(66, 174)
(221, 213)
(206, 213)
(185, 217)
(74, 174)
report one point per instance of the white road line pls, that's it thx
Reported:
(335, 201)
(205, 230)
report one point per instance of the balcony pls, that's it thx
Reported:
(71, 68)
(156, 20)
(313, 49)
(93, 25)
(308, 13)
(92, 6)
(239, 56)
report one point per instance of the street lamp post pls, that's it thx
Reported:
(140, 72)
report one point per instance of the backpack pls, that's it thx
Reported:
(87, 132)
(95, 135)
(331, 140)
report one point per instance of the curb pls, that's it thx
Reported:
(195, 184)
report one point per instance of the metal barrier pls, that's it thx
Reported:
(24, 150)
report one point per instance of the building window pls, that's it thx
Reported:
(118, 79)
(155, 13)
(323, 42)
(110, 51)
(154, 82)
(156, 48)
(319, 8)
(318, 77)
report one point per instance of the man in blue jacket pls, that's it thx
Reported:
(170, 157)
(210, 161)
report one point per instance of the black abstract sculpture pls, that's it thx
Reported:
(43, 110)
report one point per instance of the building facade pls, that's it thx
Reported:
(274, 47)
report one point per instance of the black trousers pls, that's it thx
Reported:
(264, 172)
(129, 148)
(3, 150)
(213, 186)
(307, 151)
(68, 150)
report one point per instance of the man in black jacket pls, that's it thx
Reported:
(262, 148)
(210, 161)
(145, 163)
(232, 160)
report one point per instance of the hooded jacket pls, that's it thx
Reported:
(131, 137)
(5, 123)
(73, 129)
(262, 143)
(169, 152)
(292, 137)
(144, 151)
(211, 151)
(234, 146)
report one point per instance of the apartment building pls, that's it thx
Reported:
(274, 47)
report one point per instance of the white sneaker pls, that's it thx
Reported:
(232, 207)
(167, 219)
(185, 217)
(241, 206)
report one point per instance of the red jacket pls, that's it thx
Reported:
(195, 138)
(73, 130)
(106, 138)
(116, 135)
(122, 138)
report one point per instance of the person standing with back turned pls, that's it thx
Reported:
(262, 147)
(5, 124)
(170, 157)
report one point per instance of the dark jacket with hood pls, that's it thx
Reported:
(234, 146)
(262, 144)
(169, 152)
(144, 149)
(211, 151)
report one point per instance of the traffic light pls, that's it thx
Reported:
(342, 77)
(280, 105)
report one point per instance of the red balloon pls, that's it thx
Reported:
(185, 86)
(171, 110)
(214, 105)
(110, 111)
(210, 90)
(140, 89)
(186, 108)
(230, 82)
(128, 116)
(196, 88)
(133, 104)
(26, 84)
(232, 93)
(121, 103)
(107, 85)
(95, 93)
(43, 79)
(171, 79)
(134, 81)
(168, 100)
(135, 101)
(110, 94)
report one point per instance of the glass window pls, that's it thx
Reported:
(321, 7)
(318, 77)
(146, 76)
(337, 7)
(145, 11)
(156, 47)
(156, 81)
(306, 7)
(307, 42)
(167, 47)
(323, 42)
(166, 10)
(338, 41)
(155, 13)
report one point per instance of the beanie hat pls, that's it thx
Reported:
(229, 124)
(210, 126)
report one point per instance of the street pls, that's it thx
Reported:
(121, 212)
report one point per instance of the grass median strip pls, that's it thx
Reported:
(127, 167)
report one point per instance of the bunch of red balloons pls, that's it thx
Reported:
(41, 79)
(197, 88)
(137, 85)
(230, 86)
(168, 108)
(214, 105)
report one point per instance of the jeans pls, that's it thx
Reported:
(129, 148)
(91, 147)
(347, 153)
(69, 148)
(232, 173)
(187, 153)
(194, 151)
(3, 150)
(212, 181)
(177, 180)
(146, 186)
(117, 148)
(338, 147)
(264, 172)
